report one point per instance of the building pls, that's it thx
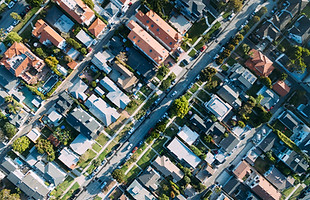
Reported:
(102, 60)
(97, 27)
(81, 121)
(187, 135)
(294, 161)
(33, 135)
(281, 88)
(51, 172)
(47, 35)
(218, 107)
(150, 179)
(101, 110)
(19, 118)
(21, 62)
(83, 37)
(167, 168)
(122, 4)
(200, 124)
(259, 63)
(242, 77)
(281, 19)
(300, 31)
(304, 110)
(110, 12)
(183, 153)
(77, 10)
(138, 192)
(230, 95)
(77, 90)
(289, 120)
(229, 143)
(115, 95)
(63, 103)
(124, 78)
(7, 80)
(194, 9)
(68, 158)
(270, 98)
(217, 131)
(159, 29)
(267, 31)
(268, 142)
(80, 144)
(146, 43)
(259, 185)
(276, 178)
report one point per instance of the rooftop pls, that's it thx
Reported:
(218, 107)
(187, 135)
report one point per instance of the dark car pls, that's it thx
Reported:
(76, 192)
(185, 62)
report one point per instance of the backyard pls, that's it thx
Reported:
(197, 30)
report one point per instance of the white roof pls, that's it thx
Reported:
(54, 116)
(84, 38)
(78, 89)
(210, 158)
(103, 111)
(115, 95)
(80, 144)
(36, 102)
(69, 158)
(183, 152)
(62, 70)
(100, 60)
(188, 135)
(218, 107)
(99, 91)
(220, 157)
(137, 191)
(34, 134)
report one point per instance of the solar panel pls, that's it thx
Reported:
(29, 55)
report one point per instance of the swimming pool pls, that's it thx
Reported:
(29, 97)
(49, 84)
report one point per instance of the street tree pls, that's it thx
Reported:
(256, 19)
(9, 99)
(283, 76)
(35, 3)
(180, 107)
(207, 74)
(9, 130)
(118, 175)
(235, 5)
(15, 16)
(21, 144)
(13, 37)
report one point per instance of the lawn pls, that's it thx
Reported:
(278, 125)
(57, 192)
(306, 10)
(192, 53)
(171, 130)
(199, 45)
(187, 95)
(307, 181)
(146, 158)
(197, 29)
(146, 90)
(27, 33)
(102, 139)
(185, 46)
(106, 151)
(133, 105)
(97, 198)
(230, 61)
(226, 14)
(96, 147)
(86, 158)
(296, 193)
(203, 96)
(135, 170)
(26, 19)
(159, 145)
(287, 192)
(194, 88)
(74, 187)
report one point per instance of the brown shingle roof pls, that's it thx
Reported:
(72, 64)
(97, 27)
(281, 88)
(259, 63)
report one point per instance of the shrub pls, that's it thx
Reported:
(241, 124)
(9, 130)
(40, 53)
(73, 43)
(93, 84)
(83, 51)
(21, 144)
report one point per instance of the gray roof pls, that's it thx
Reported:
(296, 6)
(282, 19)
(216, 130)
(78, 88)
(54, 173)
(229, 94)
(245, 79)
(111, 9)
(167, 168)
(270, 97)
(301, 27)
(9, 164)
(229, 143)
(3, 94)
(63, 103)
(289, 120)
(150, 178)
(196, 7)
(267, 30)
(138, 192)
(297, 163)
(7, 79)
(19, 118)
(274, 176)
(199, 123)
(269, 141)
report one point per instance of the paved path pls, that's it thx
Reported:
(296, 187)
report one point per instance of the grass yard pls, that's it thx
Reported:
(146, 90)
(296, 193)
(57, 192)
(86, 158)
(230, 61)
(226, 14)
(133, 105)
(27, 33)
(159, 145)
(197, 29)
(194, 88)
(185, 46)
(97, 198)
(306, 10)
(96, 147)
(203, 96)
(171, 130)
(187, 95)
(192, 53)
(278, 125)
(146, 158)
(26, 19)
(74, 187)
(307, 181)
(135, 170)
(106, 151)
(199, 45)
(286, 192)
(102, 139)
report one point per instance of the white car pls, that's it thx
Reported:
(129, 146)
(11, 4)
(95, 42)
(130, 131)
(10, 28)
(173, 94)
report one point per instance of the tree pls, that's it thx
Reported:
(165, 84)
(266, 81)
(262, 11)
(163, 71)
(56, 50)
(68, 59)
(6, 194)
(256, 19)
(187, 39)
(40, 53)
(219, 60)
(118, 175)
(226, 53)
(246, 28)
(96, 162)
(14, 107)
(201, 187)
(196, 150)
(297, 56)
(21, 144)
(52, 62)
(45, 146)
(15, 16)
(235, 5)
(208, 139)
(270, 156)
(83, 51)
(9, 130)
(207, 74)
(93, 84)
(172, 195)
(241, 124)
(90, 3)
(13, 37)
(62, 135)
(155, 134)
(259, 98)
(180, 107)
(73, 43)
(186, 179)
(187, 171)
(35, 3)
(9, 99)
(239, 37)
(283, 76)
(163, 197)
(230, 47)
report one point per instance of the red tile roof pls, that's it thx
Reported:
(281, 88)
(161, 29)
(97, 27)
(45, 32)
(259, 63)
(147, 43)
(72, 64)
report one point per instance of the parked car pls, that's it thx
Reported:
(103, 162)
(129, 146)
(11, 4)
(10, 28)
(140, 143)
(170, 64)
(76, 192)
(190, 86)
(134, 150)
(28, 8)
(203, 48)
(157, 101)
(103, 185)
(173, 82)
(130, 131)
(15, 22)
(185, 62)
(173, 94)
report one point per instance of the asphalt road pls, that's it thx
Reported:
(7, 20)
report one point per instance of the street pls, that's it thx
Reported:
(7, 20)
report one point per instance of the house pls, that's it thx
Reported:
(242, 77)
(194, 9)
(34, 134)
(138, 192)
(204, 173)
(281, 88)
(115, 95)
(3, 94)
(296, 6)
(268, 142)
(252, 155)
(110, 12)
(7, 80)
(229, 143)
(81, 121)
(267, 31)
(281, 19)
(259, 63)
(300, 31)
(167, 168)
(218, 107)
(294, 161)
(146, 43)
(97, 27)
(183, 153)
(47, 35)
(217, 131)
(187, 135)
(200, 124)
(68, 158)
(150, 179)
(51, 172)
(230, 95)
(9, 164)
(54, 117)
(103, 111)
(122, 4)
(276, 178)
(159, 29)
(270, 98)
(259, 185)
(189, 191)
(77, 10)
(21, 62)
(102, 60)
(84, 38)
(304, 110)
(289, 120)
(124, 78)
(19, 119)
(81, 144)
(63, 103)
(77, 90)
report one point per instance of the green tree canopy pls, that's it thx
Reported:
(9, 130)
(266, 81)
(62, 135)
(13, 37)
(73, 43)
(40, 53)
(256, 19)
(118, 175)
(235, 5)
(207, 74)
(90, 3)
(45, 146)
(6, 194)
(35, 3)
(21, 144)
(52, 62)
(283, 76)
(165, 84)
(15, 16)
(297, 55)
(180, 107)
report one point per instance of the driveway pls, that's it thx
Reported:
(7, 20)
